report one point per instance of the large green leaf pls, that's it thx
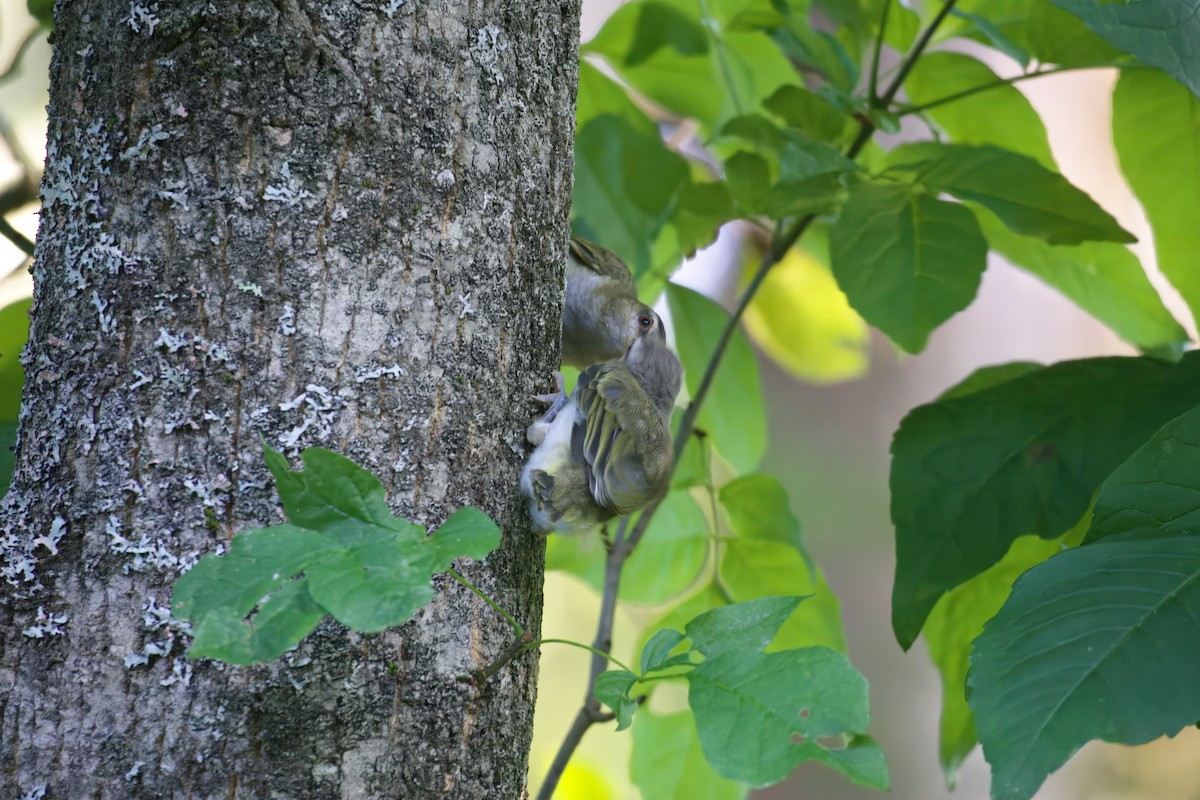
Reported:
(1098, 642)
(759, 714)
(668, 764)
(1102, 278)
(740, 628)
(283, 618)
(1001, 116)
(906, 260)
(671, 556)
(1156, 127)
(1162, 33)
(1158, 486)
(1029, 198)
(953, 624)
(732, 414)
(971, 474)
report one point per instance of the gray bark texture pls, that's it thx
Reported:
(319, 222)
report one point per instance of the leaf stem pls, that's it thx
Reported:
(582, 646)
(623, 544)
(873, 78)
(516, 626)
(983, 87)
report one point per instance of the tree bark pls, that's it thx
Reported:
(310, 222)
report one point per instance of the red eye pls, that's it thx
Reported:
(646, 322)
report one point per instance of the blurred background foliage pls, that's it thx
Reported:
(804, 407)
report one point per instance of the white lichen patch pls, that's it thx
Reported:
(170, 341)
(486, 50)
(287, 320)
(47, 623)
(289, 191)
(364, 375)
(147, 142)
(391, 8)
(250, 288)
(319, 407)
(147, 552)
(143, 17)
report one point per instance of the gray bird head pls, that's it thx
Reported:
(655, 366)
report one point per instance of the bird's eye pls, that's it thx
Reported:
(646, 322)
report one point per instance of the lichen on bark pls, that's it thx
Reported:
(315, 223)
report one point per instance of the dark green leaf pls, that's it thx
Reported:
(820, 194)
(971, 474)
(906, 261)
(668, 764)
(42, 11)
(1158, 486)
(995, 37)
(282, 620)
(1162, 33)
(1049, 34)
(658, 649)
(733, 413)
(14, 332)
(740, 628)
(800, 159)
(953, 624)
(612, 689)
(1027, 197)
(468, 533)
(1098, 642)
(749, 179)
(986, 377)
(657, 26)
(760, 714)
(1155, 126)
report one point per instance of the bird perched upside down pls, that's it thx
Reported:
(608, 452)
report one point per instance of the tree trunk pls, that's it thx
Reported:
(318, 222)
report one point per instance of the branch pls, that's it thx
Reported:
(26, 43)
(16, 237)
(872, 93)
(622, 546)
(983, 87)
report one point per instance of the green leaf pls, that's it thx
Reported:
(1048, 34)
(14, 332)
(749, 178)
(1027, 197)
(467, 533)
(42, 11)
(692, 469)
(808, 112)
(953, 624)
(995, 37)
(760, 714)
(1104, 279)
(657, 26)
(626, 184)
(986, 377)
(1162, 33)
(612, 689)
(1001, 116)
(670, 556)
(732, 414)
(758, 508)
(362, 565)
(1098, 642)
(658, 649)
(1157, 486)
(8, 459)
(330, 490)
(971, 474)
(1155, 126)
(743, 627)
(668, 764)
(282, 620)
(906, 261)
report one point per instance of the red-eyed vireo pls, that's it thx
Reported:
(608, 452)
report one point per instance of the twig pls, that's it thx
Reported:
(16, 237)
(623, 545)
(29, 39)
(516, 626)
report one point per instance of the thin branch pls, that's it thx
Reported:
(516, 626)
(983, 87)
(479, 677)
(16, 237)
(582, 646)
(873, 78)
(622, 545)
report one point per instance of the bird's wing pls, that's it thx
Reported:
(599, 260)
(615, 423)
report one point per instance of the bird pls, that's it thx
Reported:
(608, 451)
(602, 315)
